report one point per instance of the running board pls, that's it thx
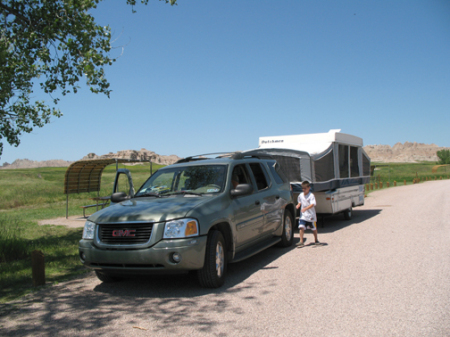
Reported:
(255, 249)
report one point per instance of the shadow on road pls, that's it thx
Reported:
(337, 222)
(163, 304)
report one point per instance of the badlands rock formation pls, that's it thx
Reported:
(403, 153)
(143, 154)
(26, 163)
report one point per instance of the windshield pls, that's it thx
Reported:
(185, 180)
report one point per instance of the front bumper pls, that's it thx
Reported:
(155, 259)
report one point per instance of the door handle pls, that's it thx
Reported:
(257, 203)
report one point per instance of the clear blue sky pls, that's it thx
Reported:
(211, 76)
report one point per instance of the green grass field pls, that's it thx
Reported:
(400, 172)
(29, 195)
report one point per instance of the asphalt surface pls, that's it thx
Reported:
(386, 272)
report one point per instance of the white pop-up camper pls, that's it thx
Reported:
(334, 163)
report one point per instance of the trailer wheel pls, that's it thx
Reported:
(348, 214)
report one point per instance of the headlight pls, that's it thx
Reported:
(88, 232)
(182, 228)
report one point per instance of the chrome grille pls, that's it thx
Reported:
(125, 234)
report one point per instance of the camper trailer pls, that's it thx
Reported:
(334, 163)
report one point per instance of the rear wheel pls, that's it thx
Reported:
(288, 230)
(212, 275)
(348, 214)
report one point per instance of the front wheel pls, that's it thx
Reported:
(348, 214)
(287, 238)
(212, 275)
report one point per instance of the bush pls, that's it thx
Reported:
(444, 157)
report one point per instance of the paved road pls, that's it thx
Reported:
(384, 273)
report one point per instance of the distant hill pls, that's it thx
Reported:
(143, 154)
(403, 153)
(399, 153)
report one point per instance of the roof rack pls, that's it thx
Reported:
(202, 157)
(232, 155)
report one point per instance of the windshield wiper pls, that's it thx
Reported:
(185, 192)
(148, 194)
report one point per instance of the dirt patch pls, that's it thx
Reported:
(72, 221)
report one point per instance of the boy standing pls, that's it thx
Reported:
(308, 217)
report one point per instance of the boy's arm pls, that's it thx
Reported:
(307, 207)
(299, 205)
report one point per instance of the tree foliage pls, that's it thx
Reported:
(53, 44)
(444, 157)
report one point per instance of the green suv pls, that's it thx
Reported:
(195, 215)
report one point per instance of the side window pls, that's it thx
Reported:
(260, 178)
(239, 176)
(343, 161)
(354, 167)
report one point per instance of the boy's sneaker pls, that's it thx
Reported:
(317, 243)
(300, 244)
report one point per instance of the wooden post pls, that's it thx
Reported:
(381, 184)
(395, 183)
(387, 184)
(38, 268)
(376, 186)
(371, 186)
(404, 182)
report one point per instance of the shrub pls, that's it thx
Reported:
(444, 157)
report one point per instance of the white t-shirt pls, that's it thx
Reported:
(306, 200)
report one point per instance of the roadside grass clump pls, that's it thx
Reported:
(12, 245)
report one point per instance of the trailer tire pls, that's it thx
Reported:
(348, 214)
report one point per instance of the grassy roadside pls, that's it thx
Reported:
(389, 174)
(29, 195)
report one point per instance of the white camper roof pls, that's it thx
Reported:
(314, 143)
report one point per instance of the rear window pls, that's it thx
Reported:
(273, 166)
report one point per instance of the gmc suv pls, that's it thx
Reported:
(195, 215)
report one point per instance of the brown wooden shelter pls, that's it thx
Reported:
(86, 176)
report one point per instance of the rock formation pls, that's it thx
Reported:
(143, 154)
(403, 153)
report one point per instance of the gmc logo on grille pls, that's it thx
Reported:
(124, 232)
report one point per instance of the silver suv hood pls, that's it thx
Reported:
(148, 209)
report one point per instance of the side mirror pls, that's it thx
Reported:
(119, 197)
(242, 189)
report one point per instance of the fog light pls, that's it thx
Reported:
(82, 256)
(176, 257)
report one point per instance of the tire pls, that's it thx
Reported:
(348, 214)
(106, 278)
(287, 238)
(212, 275)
